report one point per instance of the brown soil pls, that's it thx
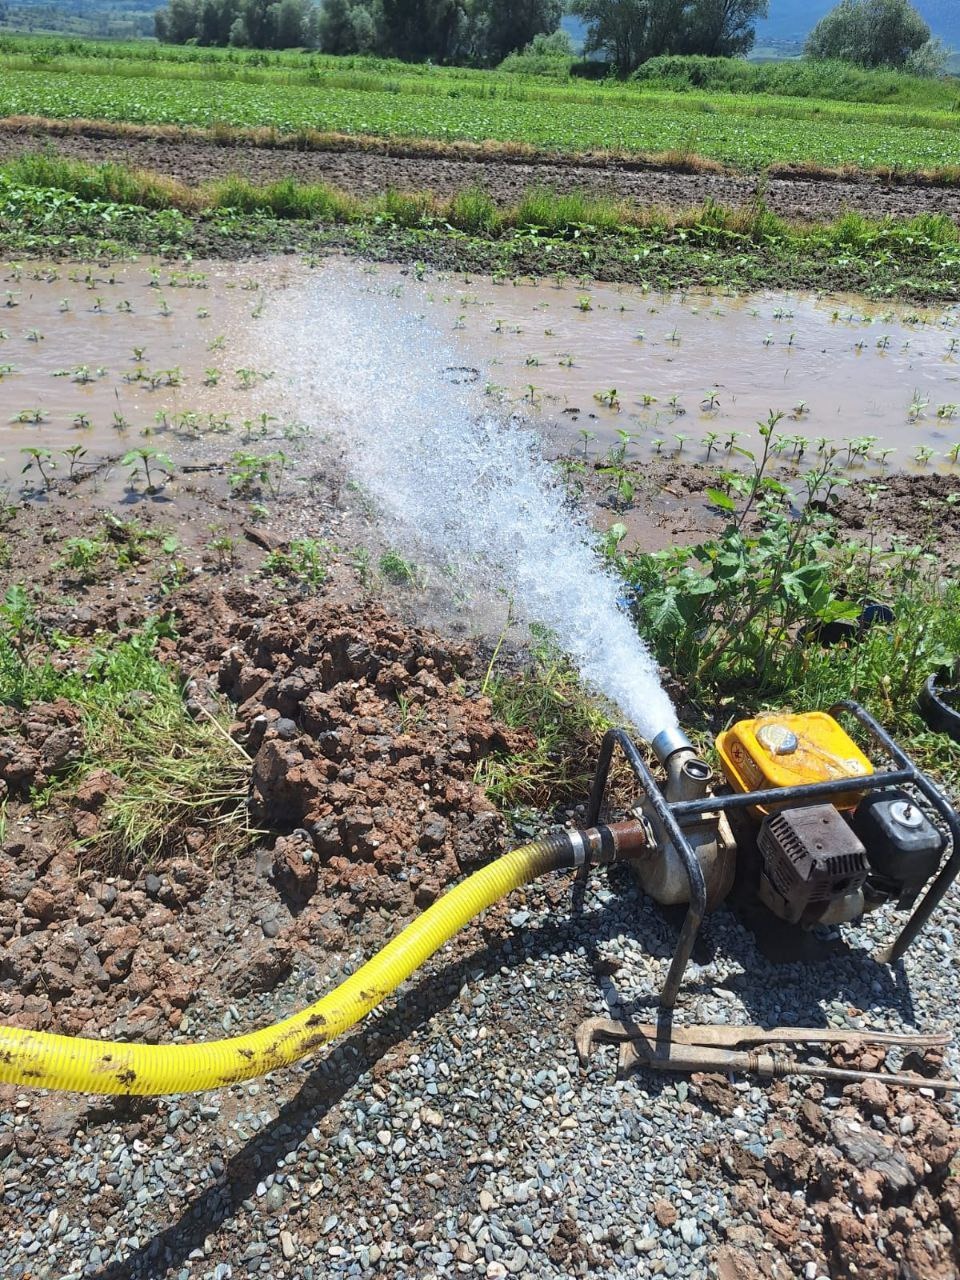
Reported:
(201, 158)
(886, 1153)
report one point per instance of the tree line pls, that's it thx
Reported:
(479, 32)
(624, 33)
(629, 32)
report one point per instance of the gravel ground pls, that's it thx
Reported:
(456, 1134)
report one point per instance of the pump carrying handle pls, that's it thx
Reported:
(669, 817)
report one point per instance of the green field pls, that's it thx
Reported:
(291, 92)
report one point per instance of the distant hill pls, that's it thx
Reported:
(791, 21)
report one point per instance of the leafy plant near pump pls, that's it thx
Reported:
(751, 615)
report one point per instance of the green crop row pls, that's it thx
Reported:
(748, 131)
(49, 205)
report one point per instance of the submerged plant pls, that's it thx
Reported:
(43, 460)
(150, 462)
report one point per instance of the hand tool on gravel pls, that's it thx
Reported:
(749, 1049)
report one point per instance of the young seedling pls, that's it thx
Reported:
(83, 557)
(710, 402)
(74, 454)
(584, 302)
(33, 416)
(304, 561)
(150, 462)
(586, 436)
(81, 421)
(396, 569)
(709, 442)
(609, 398)
(223, 546)
(42, 459)
(34, 335)
(361, 561)
(953, 453)
(917, 406)
(923, 455)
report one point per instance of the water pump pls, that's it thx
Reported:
(802, 820)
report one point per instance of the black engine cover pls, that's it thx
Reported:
(814, 867)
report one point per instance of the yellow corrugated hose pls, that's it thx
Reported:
(48, 1061)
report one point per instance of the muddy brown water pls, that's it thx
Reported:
(109, 360)
(118, 358)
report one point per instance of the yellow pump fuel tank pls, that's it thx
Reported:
(785, 750)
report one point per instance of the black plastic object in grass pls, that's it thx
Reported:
(939, 700)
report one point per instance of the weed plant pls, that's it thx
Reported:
(749, 618)
(546, 704)
(177, 773)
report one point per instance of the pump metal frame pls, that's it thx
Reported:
(669, 816)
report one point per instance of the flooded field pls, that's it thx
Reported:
(112, 371)
(699, 372)
(107, 372)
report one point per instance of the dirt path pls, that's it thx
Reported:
(194, 160)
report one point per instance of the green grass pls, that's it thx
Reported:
(49, 205)
(561, 724)
(178, 773)
(916, 131)
(800, 78)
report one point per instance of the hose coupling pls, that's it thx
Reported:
(617, 842)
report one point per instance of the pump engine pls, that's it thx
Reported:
(801, 818)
